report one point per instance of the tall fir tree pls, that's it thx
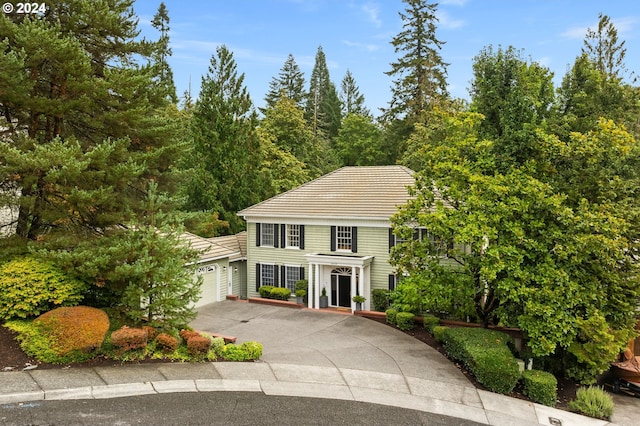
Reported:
(81, 136)
(290, 82)
(351, 98)
(420, 73)
(164, 74)
(604, 49)
(322, 100)
(224, 159)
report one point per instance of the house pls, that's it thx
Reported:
(334, 231)
(222, 265)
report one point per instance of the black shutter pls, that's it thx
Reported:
(283, 235)
(333, 238)
(416, 234)
(392, 239)
(283, 274)
(354, 239)
(276, 283)
(258, 235)
(392, 282)
(301, 237)
(302, 273)
(276, 235)
(258, 275)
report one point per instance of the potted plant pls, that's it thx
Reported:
(301, 290)
(359, 300)
(324, 299)
(300, 296)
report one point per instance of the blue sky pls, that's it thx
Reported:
(356, 35)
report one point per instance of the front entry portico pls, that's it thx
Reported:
(342, 277)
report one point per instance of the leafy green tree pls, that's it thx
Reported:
(289, 81)
(420, 71)
(562, 272)
(323, 105)
(163, 71)
(604, 49)
(224, 159)
(83, 125)
(359, 142)
(280, 169)
(515, 98)
(351, 98)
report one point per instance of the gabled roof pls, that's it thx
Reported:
(372, 192)
(209, 249)
(237, 243)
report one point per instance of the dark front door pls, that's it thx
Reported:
(341, 290)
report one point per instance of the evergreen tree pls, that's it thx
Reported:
(604, 49)
(224, 159)
(358, 142)
(323, 105)
(290, 82)
(164, 74)
(351, 98)
(83, 125)
(420, 71)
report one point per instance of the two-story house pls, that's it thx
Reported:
(334, 231)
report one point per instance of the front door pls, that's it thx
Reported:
(341, 287)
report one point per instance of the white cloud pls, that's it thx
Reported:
(361, 46)
(372, 11)
(623, 25)
(448, 22)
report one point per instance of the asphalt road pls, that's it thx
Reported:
(215, 408)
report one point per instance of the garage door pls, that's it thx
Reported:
(209, 290)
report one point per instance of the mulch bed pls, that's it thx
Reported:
(13, 359)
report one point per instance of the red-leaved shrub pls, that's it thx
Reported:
(166, 342)
(198, 345)
(75, 328)
(188, 334)
(151, 332)
(126, 338)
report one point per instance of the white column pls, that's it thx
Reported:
(361, 288)
(317, 283)
(353, 289)
(310, 294)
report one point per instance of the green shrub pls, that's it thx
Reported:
(215, 351)
(302, 285)
(391, 316)
(430, 321)
(405, 320)
(265, 291)
(486, 354)
(128, 339)
(247, 351)
(280, 293)
(438, 332)
(540, 386)
(380, 299)
(74, 328)
(593, 401)
(29, 287)
(166, 342)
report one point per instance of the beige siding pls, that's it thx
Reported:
(371, 242)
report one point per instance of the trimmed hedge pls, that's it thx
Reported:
(391, 316)
(486, 354)
(280, 293)
(429, 322)
(438, 332)
(405, 320)
(540, 386)
(128, 339)
(265, 291)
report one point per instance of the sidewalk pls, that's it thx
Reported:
(307, 354)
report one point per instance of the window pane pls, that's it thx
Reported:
(293, 235)
(343, 238)
(292, 274)
(267, 237)
(268, 275)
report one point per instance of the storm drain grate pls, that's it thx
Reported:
(244, 320)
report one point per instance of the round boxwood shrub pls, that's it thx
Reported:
(391, 315)
(29, 287)
(280, 293)
(128, 338)
(429, 322)
(405, 320)
(540, 386)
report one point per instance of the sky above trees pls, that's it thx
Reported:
(355, 35)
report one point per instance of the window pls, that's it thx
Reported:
(267, 234)
(291, 275)
(343, 238)
(268, 275)
(293, 236)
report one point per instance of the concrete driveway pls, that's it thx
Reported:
(322, 339)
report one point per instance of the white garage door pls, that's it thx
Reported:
(209, 290)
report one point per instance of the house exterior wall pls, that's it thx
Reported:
(371, 241)
(214, 281)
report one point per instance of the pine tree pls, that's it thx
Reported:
(225, 152)
(164, 74)
(80, 132)
(351, 98)
(322, 100)
(290, 82)
(420, 72)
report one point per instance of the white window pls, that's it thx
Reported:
(293, 236)
(291, 276)
(268, 275)
(343, 238)
(267, 234)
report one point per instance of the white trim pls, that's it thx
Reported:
(375, 222)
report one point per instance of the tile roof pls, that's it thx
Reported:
(237, 242)
(372, 192)
(209, 249)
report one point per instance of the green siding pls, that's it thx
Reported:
(371, 242)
